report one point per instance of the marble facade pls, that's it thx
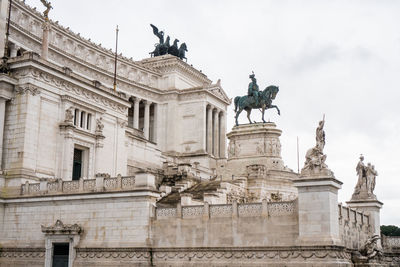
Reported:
(142, 175)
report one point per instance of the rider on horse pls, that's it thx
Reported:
(253, 88)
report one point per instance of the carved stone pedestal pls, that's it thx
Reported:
(255, 153)
(318, 210)
(372, 208)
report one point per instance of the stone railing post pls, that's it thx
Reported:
(206, 211)
(99, 183)
(264, 209)
(179, 210)
(145, 180)
(59, 185)
(235, 212)
(81, 189)
(119, 181)
(43, 186)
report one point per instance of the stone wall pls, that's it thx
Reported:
(119, 219)
(230, 225)
(354, 227)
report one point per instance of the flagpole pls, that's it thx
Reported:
(115, 61)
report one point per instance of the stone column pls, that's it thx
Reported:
(155, 123)
(146, 119)
(318, 210)
(216, 133)
(222, 135)
(209, 130)
(45, 40)
(2, 119)
(136, 113)
(3, 24)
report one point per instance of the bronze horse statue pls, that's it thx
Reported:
(264, 102)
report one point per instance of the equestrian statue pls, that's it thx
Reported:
(255, 99)
(164, 47)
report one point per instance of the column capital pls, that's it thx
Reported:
(147, 102)
(137, 100)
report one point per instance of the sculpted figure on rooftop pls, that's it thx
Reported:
(164, 47)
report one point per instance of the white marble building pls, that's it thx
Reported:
(141, 175)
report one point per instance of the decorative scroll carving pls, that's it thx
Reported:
(27, 88)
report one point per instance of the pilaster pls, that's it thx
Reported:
(209, 129)
(136, 113)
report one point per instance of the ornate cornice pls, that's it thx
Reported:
(37, 74)
(62, 229)
(168, 64)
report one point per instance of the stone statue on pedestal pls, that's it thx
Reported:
(366, 180)
(255, 99)
(315, 157)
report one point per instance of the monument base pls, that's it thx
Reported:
(255, 153)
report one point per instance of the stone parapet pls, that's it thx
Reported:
(229, 210)
(100, 184)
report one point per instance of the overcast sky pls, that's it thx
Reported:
(338, 58)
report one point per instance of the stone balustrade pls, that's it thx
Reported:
(354, 227)
(391, 243)
(353, 216)
(228, 210)
(100, 184)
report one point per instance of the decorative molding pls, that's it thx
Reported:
(68, 87)
(27, 88)
(59, 228)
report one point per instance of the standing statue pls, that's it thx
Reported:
(371, 174)
(320, 135)
(315, 157)
(365, 186)
(163, 48)
(362, 178)
(48, 7)
(255, 99)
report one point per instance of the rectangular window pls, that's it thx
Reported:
(76, 117)
(89, 121)
(77, 164)
(60, 254)
(83, 115)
